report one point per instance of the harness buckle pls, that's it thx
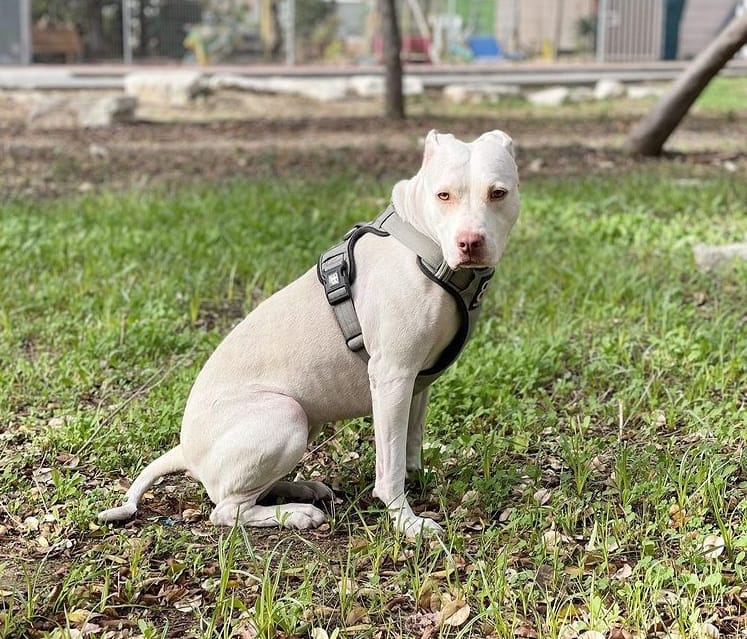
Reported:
(335, 279)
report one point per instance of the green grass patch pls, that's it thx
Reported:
(586, 449)
(724, 95)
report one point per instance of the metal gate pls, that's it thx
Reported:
(15, 45)
(630, 30)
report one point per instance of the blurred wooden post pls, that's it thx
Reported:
(650, 134)
(26, 54)
(290, 33)
(126, 32)
(558, 35)
(391, 44)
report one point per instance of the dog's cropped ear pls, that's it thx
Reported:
(503, 138)
(431, 142)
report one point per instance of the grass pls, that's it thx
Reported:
(724, 94)
(586, 450)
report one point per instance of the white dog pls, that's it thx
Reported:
(297, 361)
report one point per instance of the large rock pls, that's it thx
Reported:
(708, 258)
(581, 94)
(554, 96)
(107, 111)
(642, 91)
(461, 93)
(606, 89)
(173, 87)
(53, 113)
(319, 89)
(69, 112)
(372, 86)
(368, 86)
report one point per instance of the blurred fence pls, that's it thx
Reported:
(245, 31)
(193, 30)
(630, 30)
(15, 34)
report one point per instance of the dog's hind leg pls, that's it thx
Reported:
(263, 444)
(244, 512)
(300, 490)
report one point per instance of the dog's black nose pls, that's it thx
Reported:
(469, 242)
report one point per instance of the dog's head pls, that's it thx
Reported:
(465, 196)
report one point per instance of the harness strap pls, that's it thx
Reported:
(336, 272)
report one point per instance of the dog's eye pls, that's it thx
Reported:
(498, 194)
(443, 195)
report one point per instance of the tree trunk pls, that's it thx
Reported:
(650, 134)
(94, 38)
(269, 27)
(391, 45)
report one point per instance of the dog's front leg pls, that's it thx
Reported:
(391, 393)
(415, 426)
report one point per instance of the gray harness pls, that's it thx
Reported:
(336, 272)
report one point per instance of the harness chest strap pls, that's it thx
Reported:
(336, 272)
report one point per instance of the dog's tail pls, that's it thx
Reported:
(170, 462)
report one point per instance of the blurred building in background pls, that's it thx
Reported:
(334, 31)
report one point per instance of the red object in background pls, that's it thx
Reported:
(414, 48)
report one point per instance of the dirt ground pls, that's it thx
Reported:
(230, 134)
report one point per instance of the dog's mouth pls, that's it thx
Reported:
(470, 263)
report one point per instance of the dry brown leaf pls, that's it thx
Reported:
(90, 629)
(346, 586)
(705, 630)
(246, 630)
(191, 515)
(189, 604)
(42, 475)
(355, 616)
(553, 539)
(568, 632)
(525, 632)
(575, 571)
(505, 514)
(542, 496)
(426, 594)
(79, 615)
(677, 516)
(470, 497)
(622, 573)
(713, 546)
(610, 545)
(455, 613)
(31, 523)
(667, 597)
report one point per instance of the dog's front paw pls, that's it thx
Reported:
(412, 526)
